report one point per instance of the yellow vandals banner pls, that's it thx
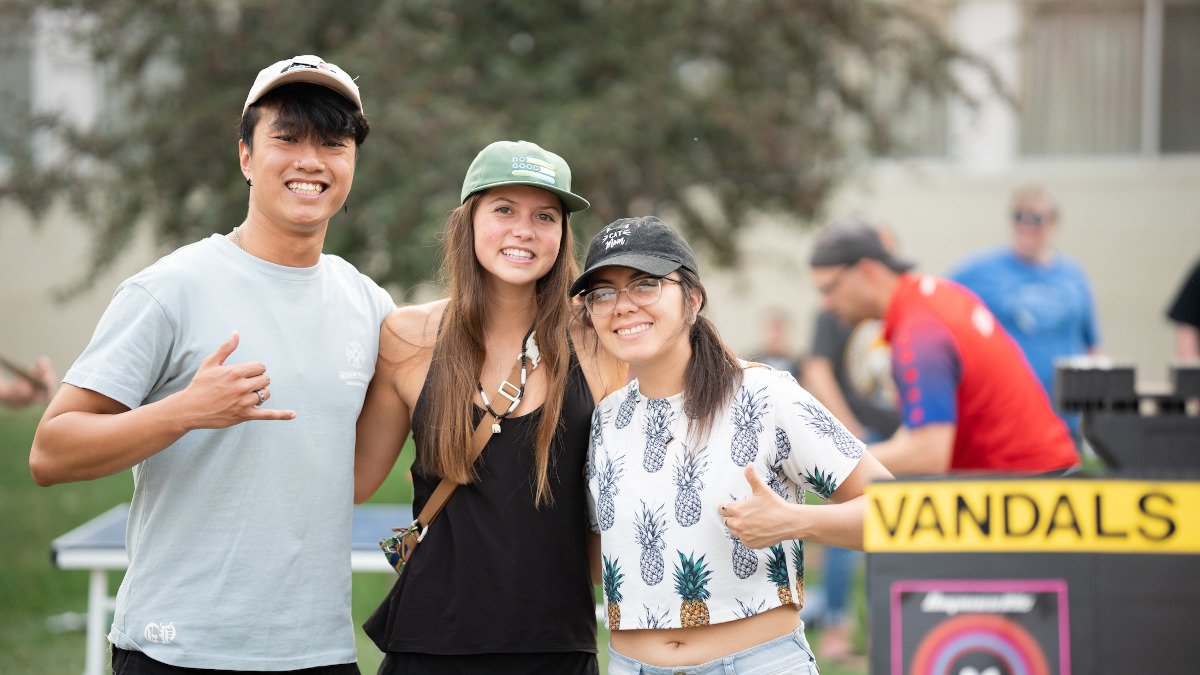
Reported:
(1033, 515)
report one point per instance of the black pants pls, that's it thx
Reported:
(564, 663)
(126, 662)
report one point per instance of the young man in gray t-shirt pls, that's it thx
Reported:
(229, 376)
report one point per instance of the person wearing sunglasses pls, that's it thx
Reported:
(1040, 295)
(500, 582)
(697, 473)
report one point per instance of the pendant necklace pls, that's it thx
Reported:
(528, 353)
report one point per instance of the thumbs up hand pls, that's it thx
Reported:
(763, 519)
(757, 486)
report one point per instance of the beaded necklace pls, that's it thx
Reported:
(529, 353)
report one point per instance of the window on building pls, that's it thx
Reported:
(918, 117)
(1180, 130)
(15, 83)
(1113, 77)
(1081, 79)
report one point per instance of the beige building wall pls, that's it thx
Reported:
(37, 264)
(1134, 225)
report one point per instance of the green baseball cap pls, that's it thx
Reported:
(521, 163)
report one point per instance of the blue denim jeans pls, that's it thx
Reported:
(840, 565)
(784, 655)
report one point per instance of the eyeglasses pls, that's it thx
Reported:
(641, 292)
(1031, 217)
(835, 281)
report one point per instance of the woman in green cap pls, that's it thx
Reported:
(500, 582)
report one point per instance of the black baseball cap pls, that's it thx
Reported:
(645, 244)
(848, 241)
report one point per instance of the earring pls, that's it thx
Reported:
(346, 206)
(692, 319)
(248, 183)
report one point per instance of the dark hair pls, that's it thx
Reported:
(306, 110)
(713, 374)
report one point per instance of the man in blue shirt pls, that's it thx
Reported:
(1040, 296)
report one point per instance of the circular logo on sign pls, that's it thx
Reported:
(979, 644)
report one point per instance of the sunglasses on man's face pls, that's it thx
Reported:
(1034, 218)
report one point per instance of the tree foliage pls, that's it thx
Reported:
(765, 104)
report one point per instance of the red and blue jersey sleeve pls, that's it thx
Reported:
(927, 370)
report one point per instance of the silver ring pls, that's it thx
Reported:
(725, 521)
(261, 399)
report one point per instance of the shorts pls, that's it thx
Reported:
(786, 654)
(551, 663)
(130, 662)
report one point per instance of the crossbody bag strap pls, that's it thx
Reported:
(442, 492)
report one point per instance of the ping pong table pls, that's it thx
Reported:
(99, 546)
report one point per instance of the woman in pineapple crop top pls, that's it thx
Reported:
(697, 471)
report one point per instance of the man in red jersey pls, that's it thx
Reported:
(970, 400)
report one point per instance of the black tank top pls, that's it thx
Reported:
(495, 574)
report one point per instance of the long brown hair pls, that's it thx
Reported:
(460, 351)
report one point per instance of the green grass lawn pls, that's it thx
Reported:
(32, 589)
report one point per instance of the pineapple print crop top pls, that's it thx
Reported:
(668, 560)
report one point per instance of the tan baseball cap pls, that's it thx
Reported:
(307, 68)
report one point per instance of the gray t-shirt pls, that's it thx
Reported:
(239, 538)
